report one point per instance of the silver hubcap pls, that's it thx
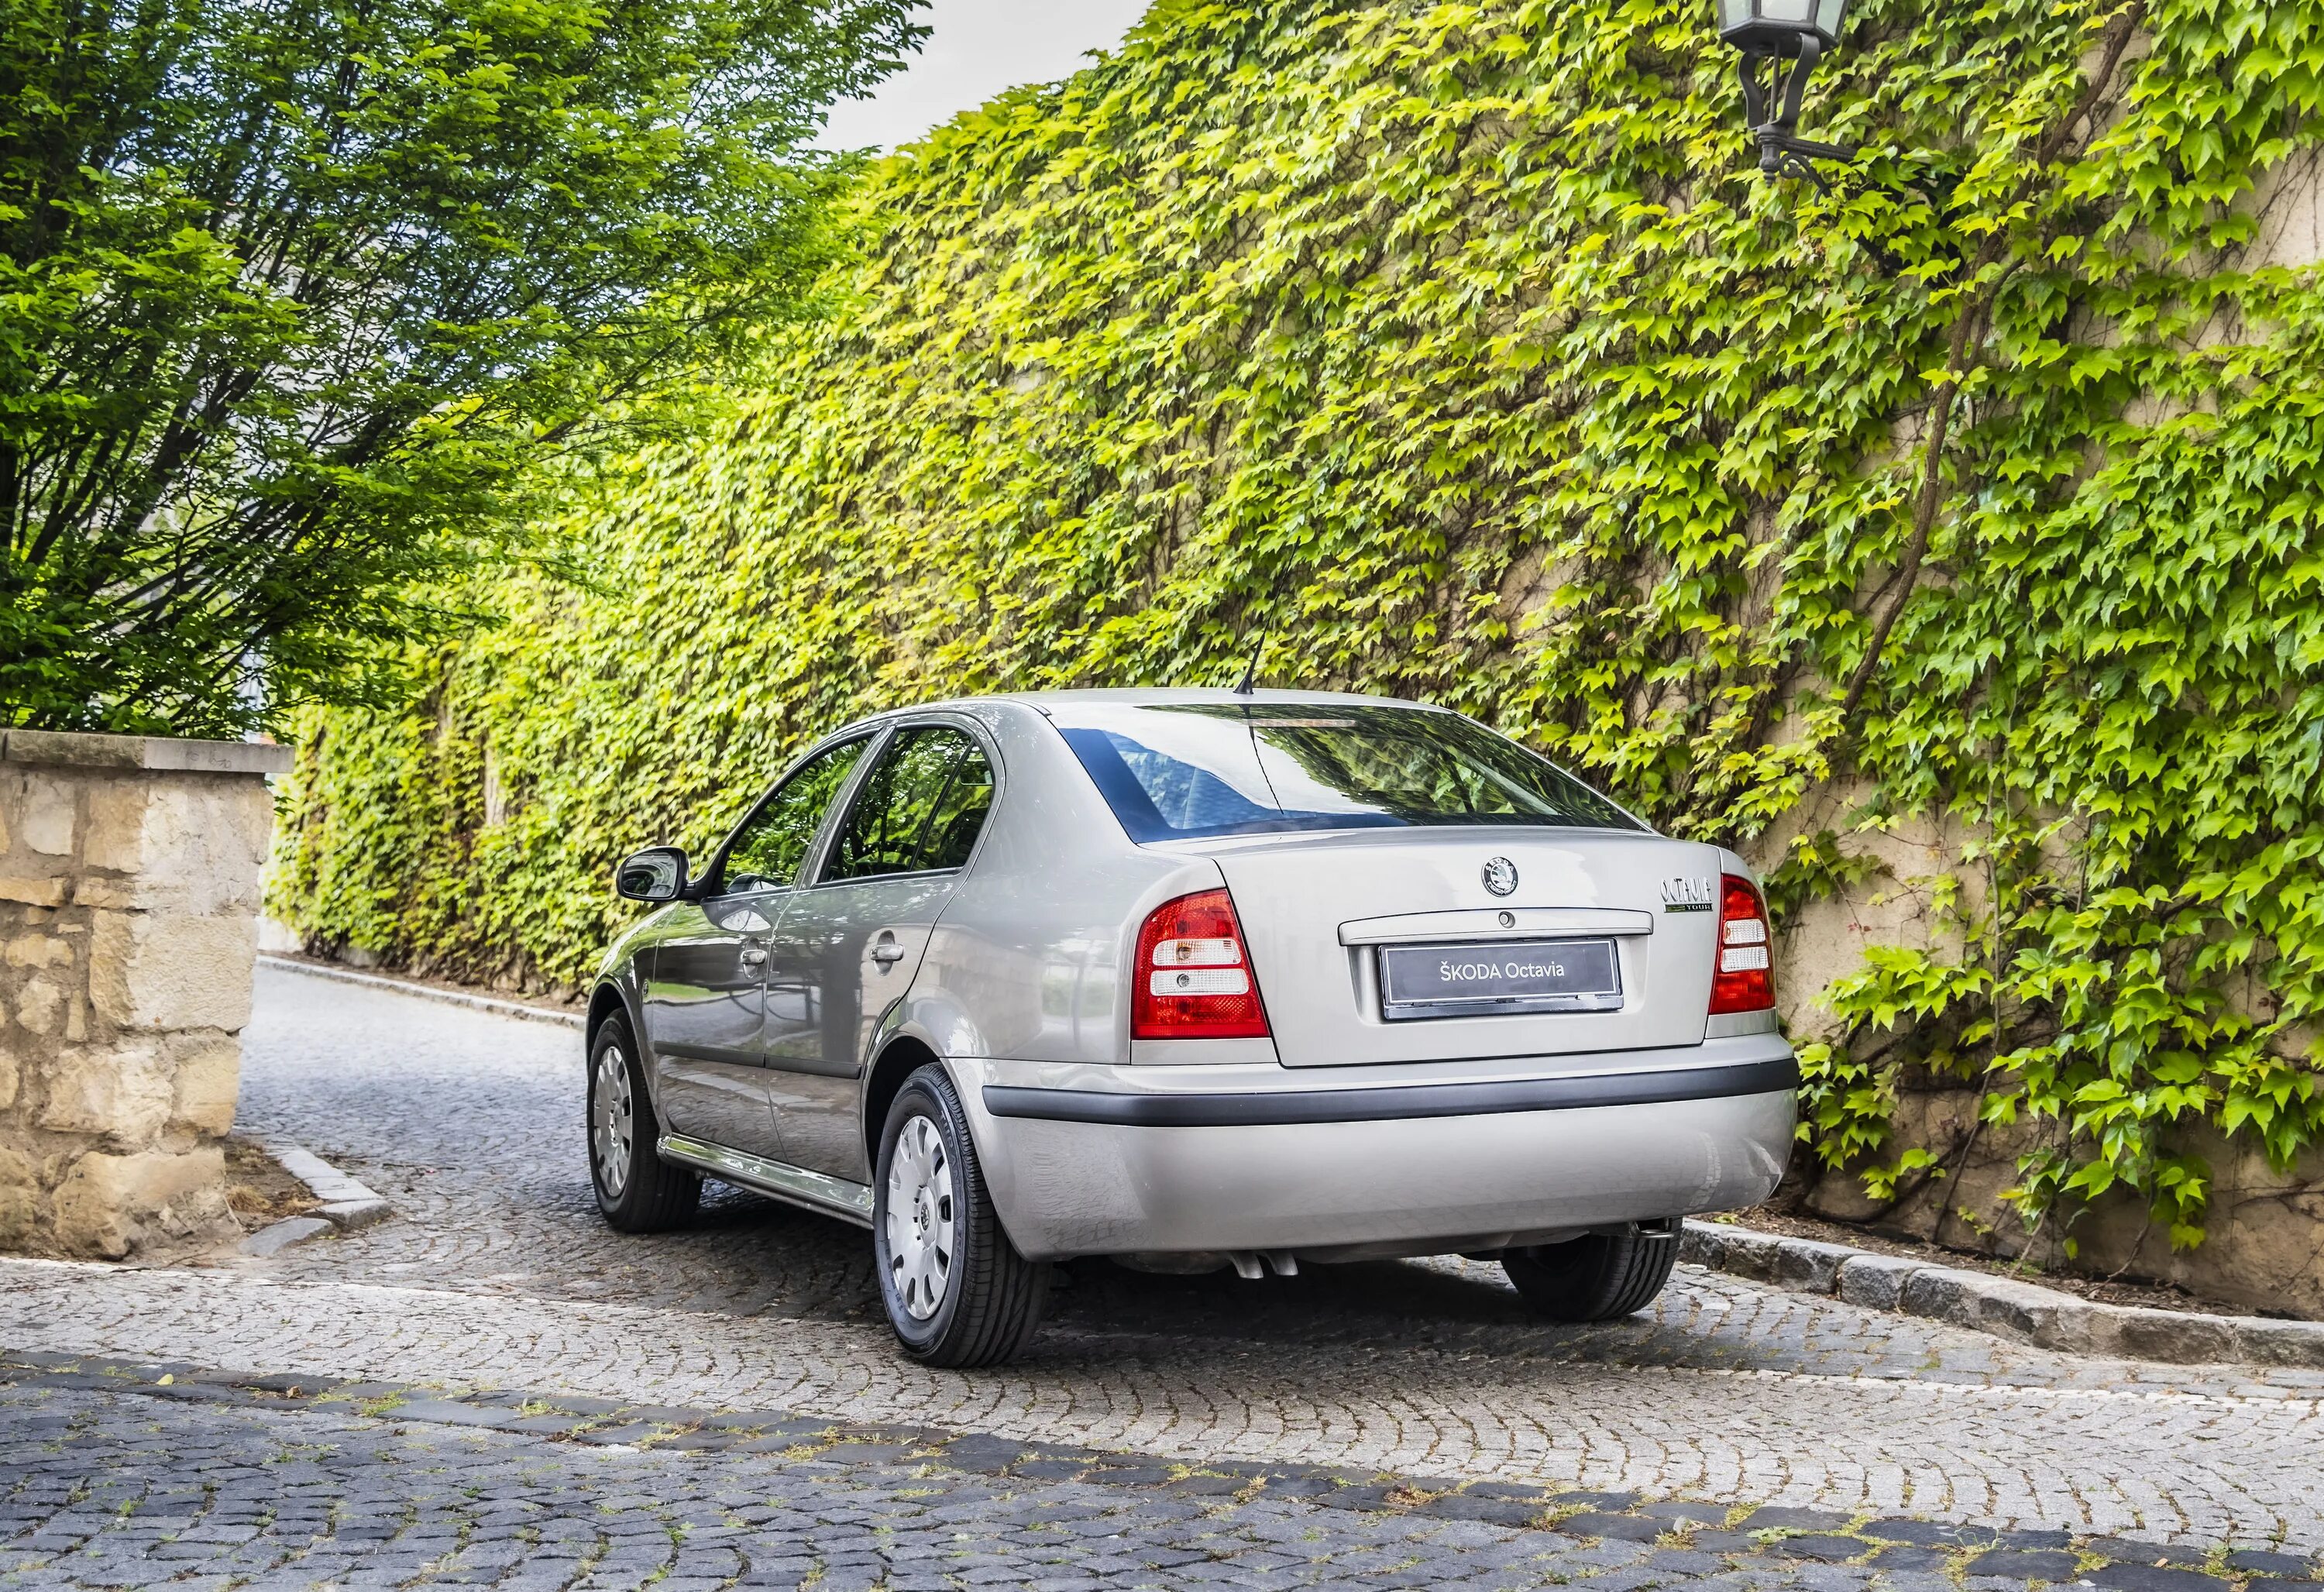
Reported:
(612, 1127)
(919, 1218)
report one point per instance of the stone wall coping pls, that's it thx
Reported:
(2007, 1307)
(73, 748)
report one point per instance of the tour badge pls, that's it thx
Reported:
(1500, 876)
(1686, 894)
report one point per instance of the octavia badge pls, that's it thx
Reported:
(1687, 894)
(1500, 876)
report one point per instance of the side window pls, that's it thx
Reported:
(767, 851)
(920, 809)
(960, 812)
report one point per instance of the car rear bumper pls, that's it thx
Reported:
(1335, 1162)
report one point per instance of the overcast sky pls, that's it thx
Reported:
(978, 48)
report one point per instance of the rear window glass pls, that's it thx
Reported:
(1183, 771)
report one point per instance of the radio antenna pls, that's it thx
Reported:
(1243, 686)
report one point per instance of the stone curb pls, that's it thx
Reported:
(482, 1003)
(2003, 1306)
(347, 1203)
(1754, 1534)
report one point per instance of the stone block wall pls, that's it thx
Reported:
(2265, 1243)
(2264, 1248)
(129, 896)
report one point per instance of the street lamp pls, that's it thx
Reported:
(1781, 41)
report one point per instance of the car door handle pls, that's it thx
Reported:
(887, 952)
(754, 956)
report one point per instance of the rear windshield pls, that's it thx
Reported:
(1185, 771)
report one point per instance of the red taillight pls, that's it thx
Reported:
(1744, 978)
(1193, 979)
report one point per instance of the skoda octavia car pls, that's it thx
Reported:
(1193, 979)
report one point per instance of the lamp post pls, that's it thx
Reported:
(1780, 41)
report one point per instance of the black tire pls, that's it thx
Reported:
(1598, 1277)
(979, 1307)
(638, 1191)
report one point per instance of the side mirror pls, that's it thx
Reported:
(656, 874)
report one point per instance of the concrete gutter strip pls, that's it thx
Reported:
(2003, 1306)
(277, 1237)
(482, 1003)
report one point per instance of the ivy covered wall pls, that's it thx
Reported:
(1948, 540)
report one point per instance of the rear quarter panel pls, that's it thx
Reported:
(1027, 963)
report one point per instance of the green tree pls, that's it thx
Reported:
(293, 292)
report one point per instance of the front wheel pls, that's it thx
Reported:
(957, 1292)
(1598, 1277)
(638, 1191)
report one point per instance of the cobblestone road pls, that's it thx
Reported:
(201, 1483)
(497, 1276)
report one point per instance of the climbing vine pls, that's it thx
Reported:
(1460, 351)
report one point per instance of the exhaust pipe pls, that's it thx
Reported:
(1252, 1264)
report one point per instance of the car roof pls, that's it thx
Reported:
(1044, 702)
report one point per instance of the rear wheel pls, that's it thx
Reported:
(1598, 1277)
(637, 1191)
(957, 1292)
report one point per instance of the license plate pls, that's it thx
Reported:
(1483, 980)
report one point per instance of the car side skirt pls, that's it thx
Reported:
(778, 1180)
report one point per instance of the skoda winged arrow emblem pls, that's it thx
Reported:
(1500, 876)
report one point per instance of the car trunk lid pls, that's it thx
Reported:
(1349, 930)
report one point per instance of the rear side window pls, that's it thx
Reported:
(921, 808)
(1183, 771)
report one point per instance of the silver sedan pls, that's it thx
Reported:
(1193, 979)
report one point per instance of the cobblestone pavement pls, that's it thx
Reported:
(497, 1276)
(116, 1475)
(2194, 1468)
